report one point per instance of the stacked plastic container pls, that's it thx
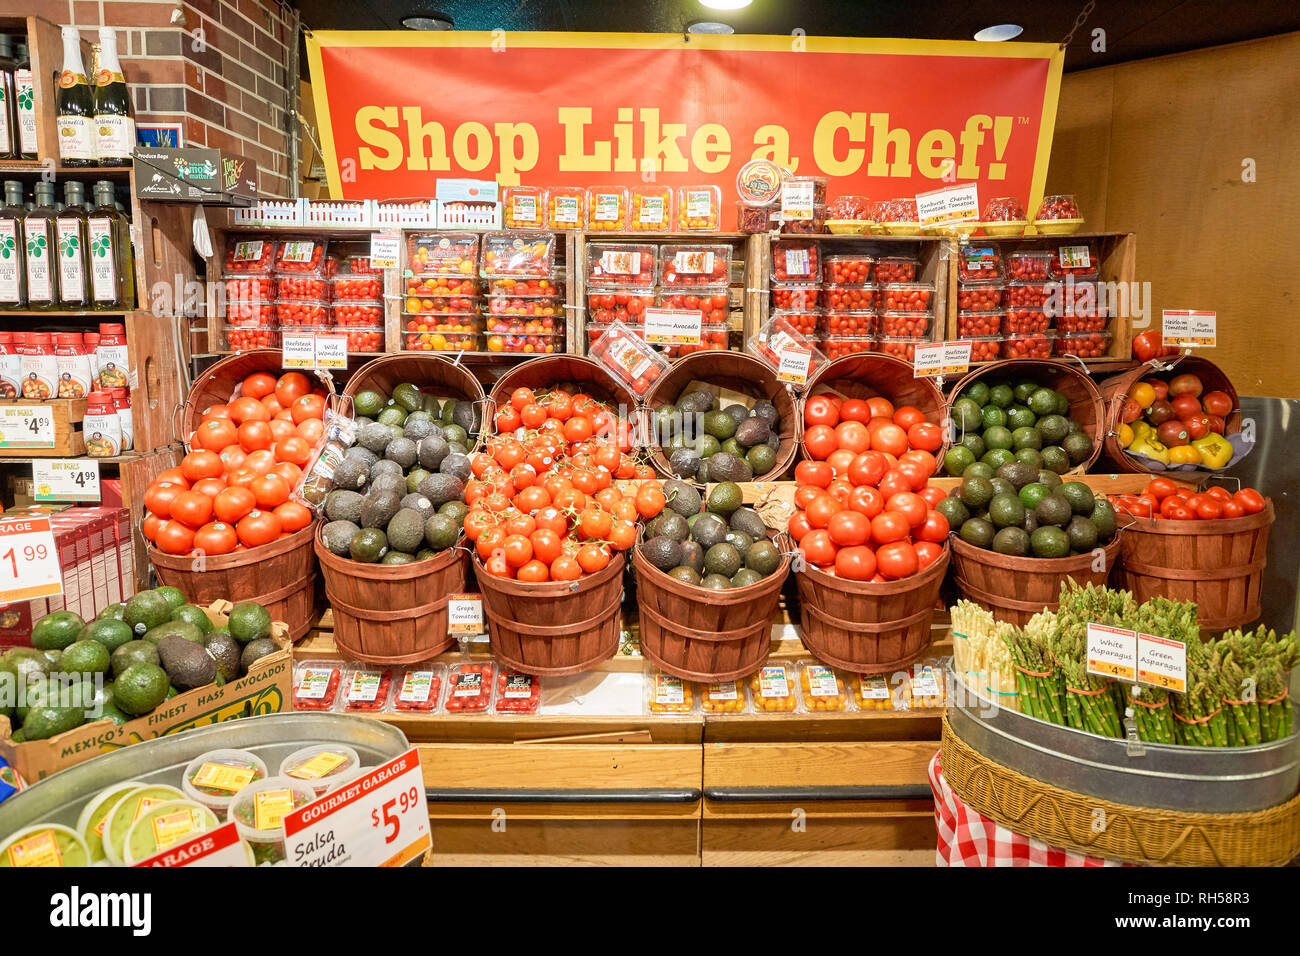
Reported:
(1082, 323)
(250, 321)
(982, 293)
(442, 307)
(796, 287)
(302, 287)
(357, 308)
(851, 297)
(697, 276)
(621, 281)
(525, 297)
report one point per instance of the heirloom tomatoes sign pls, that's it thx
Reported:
(884, 117)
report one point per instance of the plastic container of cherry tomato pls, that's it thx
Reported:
(367, 690)
(248, 339)
(349, 287)
(714, 304)
(249, 288)
(1083, 344)
(302, 313)
(724, 697)
(907, 296)
(523, 207)
(840, 322)
(607, 208)
(837, 346)
(433, 287)
(293, 286)
(323, 767)
(361, 266)
(618, 305)
(362, 339)
(316, 685)
(899, 217)
(499, 304)
(1028, 295)
(1081, 300)
(1004, 209)
(824, 689)
(1032, 345)
(851, 209)
(778, 337)
(863, 297)
(981, 296)
(303, 257)
(753, 218)
(1079, 261)
(650, 209)
(358, 315)
(621, 264)
(1058, 208)
(984, 348)
(897, 268)
(979, 323)
(795, 261)
(442, 342)
(849, 270)
(699, 208)
(511, 255)
(668, 696)
(629, 358)
(443, 305)
(420, 689)
(449, 254)
(1021, 321)
(904, 324)
(518, 693)
(774, 689)
(540, 343)
(819, 184)
(1074, 324)
(806, 226)
(1028, 266)
(566, 207)
(694, 265)
(796, 295)
(509, 286)
(978, 263)
(470, 687)
(257, 313)
(523, 325)
(251, 256)
(903, 347)
(806, 321)
(596, 329)
(871, 692)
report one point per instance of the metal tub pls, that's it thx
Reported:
(1193, 779)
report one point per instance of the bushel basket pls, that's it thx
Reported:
(217, 383)
(439, 375)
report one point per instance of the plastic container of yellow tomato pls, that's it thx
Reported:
(773, 689)
(442, 342)
(566, 207)
(451, 254)
(543, 343)
(524, 207)
(723, 697)
(824, 690)
(668, 696)
(650, 209)
(871, 692)
(699, 208)
(607, 208)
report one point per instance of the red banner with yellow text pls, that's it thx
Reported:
(882, 118)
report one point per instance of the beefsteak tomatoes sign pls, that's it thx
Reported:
(883, 117)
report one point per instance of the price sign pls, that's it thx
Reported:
(26, 426)
(1187, 328)
(941, 358)
(1162, 662)
(952, 204)
(673, 326)
(331, 351)
(380, 819)
(298, 351)
(464, 614)
(797, 200)
(29, 562)
(793, 367)
(385, 249)
(219, 847)
(1112, 651)
(65, 479)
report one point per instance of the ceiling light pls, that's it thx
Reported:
(709, 26)
(725, 4)
(428, 21)
(1003, 31)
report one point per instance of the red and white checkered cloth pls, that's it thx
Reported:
(968, 838)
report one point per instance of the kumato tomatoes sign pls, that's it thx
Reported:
(885, 117)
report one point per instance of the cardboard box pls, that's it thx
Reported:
(266, 689)
(212, 176)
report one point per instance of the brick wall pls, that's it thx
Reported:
(223, 72)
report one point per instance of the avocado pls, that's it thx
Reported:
(732, 447)
(147, 609)
(447, 412)
(752, 431)
(1052, 428)
(716, 582)
(254, 650)
(405, 531)
(441, 531)
(397, 557)
(670, 524)
(702, 472)
(349, 475)
(441, 488)
(417, 502)
(383, 468)
(402, 452)
(1078, 446)
(740, 541)
(132, 652)
(393, 417)
(1049, 542)
(663, 552)
(225, 650)
(337, 536)
(141, 687)
(368, 402)
(342, 505)
(181, 629)
(1031, 457)
(414, 477)
(686, 575)
(1042, 402)
(977, 531)
(720, 425)
(193, 615)
(249, 621)
(953, 510)
(761, 459)
(700, 400)
(684, 462)
(682, 497)
(728, 468)
(1079, 496)
(455, 464)
(707, 446)
(722, 559)
(110, 632)
(767, 412)
(1012, 541)
(1103, 517)
(465, 416)
(42, 723)
(57, 630)
(369, 545)
(408, 396)
(1082, 533)
(748, 521)
(763, 557)
(431, 451)
(375, 437)
(693, 555)
(1001, 486)
(380, 507)
(188, 665)
(1006, 510)
(456, 510)
(737, 412)
(976, 492)
(709, 529)
(85, 657)
(1033, 493)
(745, 577)
(1053, 510)
(977, 392)
(725, 498)
(364, 456)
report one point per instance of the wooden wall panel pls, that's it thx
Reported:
(1167, 164)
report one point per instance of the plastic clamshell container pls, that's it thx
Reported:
(248, 287)
(977, 262)
(724, 697)
(1028, 295)
(901, 346)
(316, 685)
(618, 305)
(248, 339)
(170, 822)
(607, 208)
(596, 329)
(292, 286)
(668, 696)
(837, 346)
(863, 297)
(447, 254)
(511, 255)
(779, 336)
(357, 315)
(531, 343)
(819, 184)
(983, 348)
(566, 207)
(824, 689)
(897, 268)
(981, 296)
(685, 266)
(871, 692)
(849, 269)
(305, 257)
(517, 693)
(796, 295)
(774, 688)
(854, 323)
(1004, 209)
(713, 338)
(972, 324)
(500, 304)
(212, 779)
(904, 324)
(1082, 322)
(650, 209)
(434, 287)
(806, 226)
(470, 687)
(442, 304)
(1030, 265)
(752, 218)
(794, 260)
(251, 256)
(250, 314)
(442, 342)
(302, 313)
(1079, 261)
(852, 209)
(532, 286)
(806, 321)
(366, 690)
(364, 339)
(44, 845)
(629, 358)
(1032, 345)
(1019, 321)
(443, 322)
(899, 217)
(419, 689)
(358, 287)
(523, 324)
(1082, 344)
(258, 811)
(620, 264)
(361, 266)
(1058, 208)
(907, 296)
(714, 304)
(321, 767)
(93, 816)
(699, 208)
(523, 207)
(1004, 230)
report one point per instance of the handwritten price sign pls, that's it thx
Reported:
(29, 562)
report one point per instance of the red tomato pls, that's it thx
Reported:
(818, 548)
(175, 538)
(258, 385)
(888, 527)
(1150, 344)
(932, 494)
(214, 434)
(854, 410)
(840, 460)
(927, 552)
(1207, 509)
(820, 509)
(894, 482)
(198, 465)
(1218, 491)
(1217, 403)
(918, 456)
(291, 386)
(799, 526)
(158, 497)
(880, 407)
(258, 527)
(192, 508)
(866, 500)
(216, 537)
(293, 516)
(911, 506)
(233, 503)
(152, 523)
(1232, 509)
(270, 490)
(889, 438)
(210, 486)
(294, 450)
(1161, 487)
(1251, 501)
(816, 473)
(848, 528)
(840, 489)
(565, 568)
(1186, 406)
(1185, 384)
(820, 440)
(907, 416)
(806, 493)
(820, 410)
(867, 468)
(856, 563)
(917, 473)
(855, 437)
(926, 436)
(897, 560)
(934, 529)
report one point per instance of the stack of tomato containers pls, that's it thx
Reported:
(250, 320)
(981, 300)
(442, 306)
(697, 278)
(621, 280)
(525, 296)
(357, 310)
(796, 287)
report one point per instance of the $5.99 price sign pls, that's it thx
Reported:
(379, 819)
(29, 562)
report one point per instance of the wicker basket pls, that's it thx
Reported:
(705, 635)
(553, 627)
(1116, 388)
(216, 385)
(1015, 589)
(865, 627)
(1217, 564)
(281, 576)
(739, 373)
(1069, 379)
(392, 613)
(1136, 834)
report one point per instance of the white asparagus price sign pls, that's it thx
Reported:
(26, 426)
(66, 479)
(1185, 328)
(219, 847)
(29, 562)
(673, 326)
(1112, 651)
(380, 819)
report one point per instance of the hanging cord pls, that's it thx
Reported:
(1079, 21)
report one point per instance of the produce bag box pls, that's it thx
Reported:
(267, 688)
(213, 176)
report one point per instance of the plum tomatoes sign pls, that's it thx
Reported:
(883, 117)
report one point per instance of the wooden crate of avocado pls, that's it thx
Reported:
(265, 688)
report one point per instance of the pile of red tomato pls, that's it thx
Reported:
(1165, 498)
(232, 490)
(836, 430)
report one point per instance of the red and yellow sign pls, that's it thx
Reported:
(884, 118)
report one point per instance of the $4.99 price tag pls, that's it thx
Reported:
(66, 479)
(29, 562)
(379, 819)
(464, 614)
(26, 426)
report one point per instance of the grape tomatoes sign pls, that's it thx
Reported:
(882, 117)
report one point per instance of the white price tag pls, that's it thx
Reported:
(379, 819)
(673, 326)
(1187, 328)
(298, 351)
(219, 847)
(66, 479)
(941, 358)
(26, 426)
(385, 250)
(875, 688)
(29, 562)
(948, 205)
(1074, 257)
(331, 351)
(1162, 662)
(797, 200)
(464, 614)
(1112, 651)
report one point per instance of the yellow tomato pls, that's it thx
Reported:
(1143, 394)
(1184, 455)
(412, 304)
(1126, 436)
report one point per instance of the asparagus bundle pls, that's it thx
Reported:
(1037, 678)
(972, 629)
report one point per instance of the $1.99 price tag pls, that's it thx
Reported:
(29, 562)
(66, 479)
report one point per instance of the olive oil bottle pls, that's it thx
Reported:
(112, 280)
(74, 248)
(75, 106)
(13, 276)
(41, 243)
(9, 148)
(25, 103)
(114, 120)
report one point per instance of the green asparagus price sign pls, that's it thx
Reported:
(1134, 656)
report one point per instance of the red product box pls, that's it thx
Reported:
(125, 551)
(16, 622)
